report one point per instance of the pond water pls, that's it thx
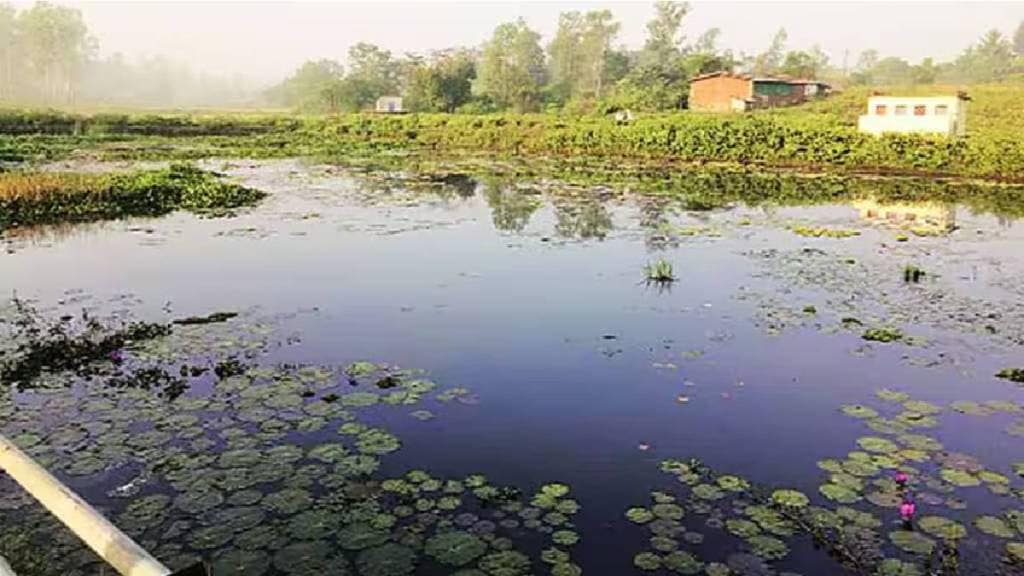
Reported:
(526, 302)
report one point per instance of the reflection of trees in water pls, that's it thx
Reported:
(582, 218)
(511, 207)
(654, 221)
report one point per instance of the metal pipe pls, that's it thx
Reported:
(127, 557)
(5, 568)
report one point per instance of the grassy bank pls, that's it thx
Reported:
(48, 198)
(819, 136)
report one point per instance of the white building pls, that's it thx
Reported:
(389, 104)
(944, 115)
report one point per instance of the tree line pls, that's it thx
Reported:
(583, 68)
(48, 56)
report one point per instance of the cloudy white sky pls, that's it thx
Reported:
(265, 40)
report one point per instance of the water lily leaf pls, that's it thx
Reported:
(994, 527)
(942, 527)
(210, 537)
(896, 567)
(838, 493)
(922, 407)
(732, 483)
(242, 563)
(565, 537)
(790, 498)
(682, 563)
(505, 563)
(859, 411)
(1015, 551)
(708, 492)
(892, 395)
(647, 561)
(312, 525)
(913, 542)
(360, 399)
(742, 528)
(959, 477)
(663, 543)
(329, 453)
(767, 547)
(387, 560)
(639, 515)
(667, 511)
(879, 445)
(455, 548)
(288, 501)
(376, 442)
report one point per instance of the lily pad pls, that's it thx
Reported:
(647, 561)
(942, 527)
(639, 515)
(994, 526)
(682, 563)
(913, 542)
(387, 560)
(790, 498)
(767, 547)
(360, 535)
(505, 563)
(837, 493)
(455, 548)
(959, 477)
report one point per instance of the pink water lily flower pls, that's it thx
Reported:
(907, 510)
(901, 477)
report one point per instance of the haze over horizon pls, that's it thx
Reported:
(266, 41)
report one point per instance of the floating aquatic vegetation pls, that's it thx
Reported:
(1012, 374)
(884, 335)
(823, 232)
(912, 274)
(67, 344)
(212, 318)
(660, 272)
(913, 542)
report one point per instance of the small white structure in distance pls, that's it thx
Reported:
(943, 115)
(389, 104)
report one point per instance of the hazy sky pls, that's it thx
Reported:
(266, 40)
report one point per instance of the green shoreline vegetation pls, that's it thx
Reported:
(35, 198)
(802, 141)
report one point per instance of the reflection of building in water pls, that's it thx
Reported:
(939, 217)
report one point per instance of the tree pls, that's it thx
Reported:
(56, 44)
(991, 58)
(443, 84)
(512, 67)
(581, 56)
(7, 46)
(804, 64)
(316, 86)
(1018, 40)
(770, 61)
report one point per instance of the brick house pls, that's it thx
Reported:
(728, 92)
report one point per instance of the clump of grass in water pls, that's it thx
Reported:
(1012, 374)
(912, 274)
(660, 271)
(28, 199)
(885, 335)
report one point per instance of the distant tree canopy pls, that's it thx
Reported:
(511, 70)
(48, 56)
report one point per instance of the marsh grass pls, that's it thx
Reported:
(28, 199)
(660, 272)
